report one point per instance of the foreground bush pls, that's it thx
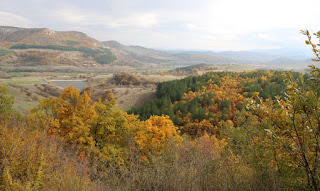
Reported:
(30, 160)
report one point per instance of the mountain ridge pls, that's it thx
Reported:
(44, 36)
(133, 55)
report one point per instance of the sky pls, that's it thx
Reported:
(173, 24)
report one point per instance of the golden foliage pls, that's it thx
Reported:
(156, 134)
(68, 116)
(30, 160)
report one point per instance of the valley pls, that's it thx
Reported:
(35, 57)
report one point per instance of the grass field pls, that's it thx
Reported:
(28, 80)
(22, 101)
(132, 97)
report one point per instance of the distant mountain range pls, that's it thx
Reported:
(264, 55)
(76, 48)
(138, 55)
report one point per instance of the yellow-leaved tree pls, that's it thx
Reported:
(106, 135)
(294, 125)
(69, 116)
(31, 160)
(113, 133)
(156, 134)
(6, 103)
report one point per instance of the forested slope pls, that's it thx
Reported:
(200, 103)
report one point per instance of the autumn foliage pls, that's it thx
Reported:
(68, 116)
(156, 134)
(125, 78)
(203, 104)
(219, 131)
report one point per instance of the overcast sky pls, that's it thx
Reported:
(174, 24)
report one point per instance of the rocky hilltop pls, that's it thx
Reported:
(43, 36)
(42, 46)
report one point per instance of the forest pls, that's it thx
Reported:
(254, 130)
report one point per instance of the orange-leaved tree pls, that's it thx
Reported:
(156, 134)
(69, 116)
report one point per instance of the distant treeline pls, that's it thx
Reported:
(4, 52)
(71, 42)
(189, 68)
(102, 55)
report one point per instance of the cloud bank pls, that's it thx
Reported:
(188, 24)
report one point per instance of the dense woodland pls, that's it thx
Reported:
(216, 95)
(219, 131)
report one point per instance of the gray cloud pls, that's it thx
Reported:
(179, 24)
(8, 19)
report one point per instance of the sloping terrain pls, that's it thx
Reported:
(42, 46)
(137, 56)
(42, 36)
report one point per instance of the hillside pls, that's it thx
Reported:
(42, 46)
(214, 96)
(10, 36)
(137, 56)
